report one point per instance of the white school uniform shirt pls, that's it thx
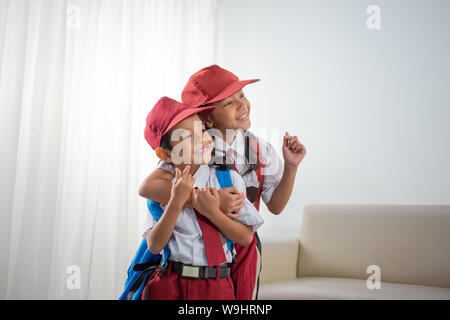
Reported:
(273, 165)
(186, 243)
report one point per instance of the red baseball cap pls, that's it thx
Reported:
(166, 114)
(211, 84)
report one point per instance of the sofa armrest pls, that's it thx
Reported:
(279, 260)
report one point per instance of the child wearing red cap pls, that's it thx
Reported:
(254, 159)
(199, 261)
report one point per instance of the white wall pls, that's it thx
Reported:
(371, 106)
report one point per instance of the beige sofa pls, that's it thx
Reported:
(409, 243)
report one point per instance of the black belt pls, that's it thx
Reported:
(202, 272)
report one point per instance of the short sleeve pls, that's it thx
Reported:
(148, 224)
(273, 170)
(166, 166)
(249, 215)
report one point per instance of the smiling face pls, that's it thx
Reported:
(230, 113)
(190, 143)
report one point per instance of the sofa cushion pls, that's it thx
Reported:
(348, 289)
(409, 243)
(279, 260)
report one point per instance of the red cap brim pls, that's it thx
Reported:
(231, 89)
(203, 113)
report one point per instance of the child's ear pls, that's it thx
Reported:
(163, 154)
(209, 123)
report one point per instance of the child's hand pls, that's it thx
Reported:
(231, 200)
(293, 151)
(206, 201)
(182, 186)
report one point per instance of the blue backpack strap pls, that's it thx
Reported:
(136, 279)
(224, 178)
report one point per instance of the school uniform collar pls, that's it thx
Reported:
(201, 176)
(237, 146)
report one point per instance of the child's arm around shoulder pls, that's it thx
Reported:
(206, 201)
(158, 187)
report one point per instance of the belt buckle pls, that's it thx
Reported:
(190, 272)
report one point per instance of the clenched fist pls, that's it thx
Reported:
(231, 200)
(293, 150)
(206, 201)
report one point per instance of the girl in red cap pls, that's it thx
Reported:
(256, 160)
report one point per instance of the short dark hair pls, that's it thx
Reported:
(165, 142)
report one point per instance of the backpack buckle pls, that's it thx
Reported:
(163, 269)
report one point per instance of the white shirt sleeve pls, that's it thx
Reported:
(273, 170)
(249, 215)
(148, 224)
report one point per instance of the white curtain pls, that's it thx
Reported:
(77, 79)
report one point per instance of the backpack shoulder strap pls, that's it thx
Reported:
(224, 178)
(259, 174)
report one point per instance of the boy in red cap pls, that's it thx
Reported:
(199, 261)
(254, 159)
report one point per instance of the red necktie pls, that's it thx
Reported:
(213, 246)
